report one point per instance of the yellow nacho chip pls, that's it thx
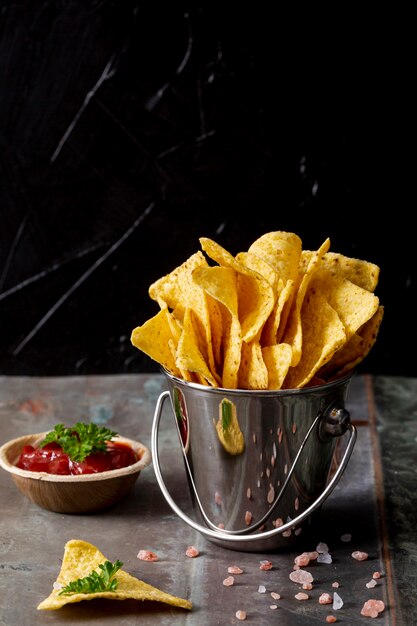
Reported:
(277, 359)
(293, 334)
(323, 334)
(255, 294)
(281, 250)
(189, 357)
(354, 305)
(80, 560)
(355, 350)
(253, 373)
(361, 273)
(220, 283)
(154, 338)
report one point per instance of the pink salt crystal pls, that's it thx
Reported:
(265, 565)
(301, 596)
(376, 575)
(301, 576)
(229, 581)
(271, 494)
(273, 606)
(275, 595)
(248, 493)
(241, 615)
(192, 552)
(371, 608)
(335, 584)
(360, 556)
(261, 589)
(307, 586)
(234, 569)
(217, 498)
(221, 526)
(302, 559)
(147, 555)
(331, 619)
(325, 598)
(248, 517)
(371, 584)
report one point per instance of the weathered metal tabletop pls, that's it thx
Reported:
(32, 539)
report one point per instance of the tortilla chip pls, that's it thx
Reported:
(323, 334)
(253, 373)
(355, 350)
(255, 294)
(293, 334)
(281, 250)
(80, 559)
(354, 305)
(189, 357)
(154, 338)
(278, 316)
(361, 273)
(220, 283)
(256, 264)
(277, 359)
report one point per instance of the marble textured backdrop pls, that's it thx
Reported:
(128, 130)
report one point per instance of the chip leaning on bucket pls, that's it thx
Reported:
(273, 317)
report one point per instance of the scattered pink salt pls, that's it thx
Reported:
(234, 569)
(261, 589)
(265, 565)
(325, 598)
(331, 619)
(301, 576)
(307, 586)
(147, 555)
(301, 596)
(359, 555)
(371, 608)
(273, 606)
(192, 552)
(376, 575)
(240, 615)
(371, 584)
(275, 595)
(302, 559)
(229, 581)
(335, 584)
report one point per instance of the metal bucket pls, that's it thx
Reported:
(259, 463)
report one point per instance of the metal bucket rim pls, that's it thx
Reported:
(261, 392)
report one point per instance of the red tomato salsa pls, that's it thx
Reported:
(53, 460)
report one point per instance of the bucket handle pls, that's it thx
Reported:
(212, 533)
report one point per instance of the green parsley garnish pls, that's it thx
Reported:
(226, 414)
(80, 440)
(95, 582)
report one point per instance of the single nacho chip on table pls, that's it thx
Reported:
(81, 559)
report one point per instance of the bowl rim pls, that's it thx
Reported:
(34, 438)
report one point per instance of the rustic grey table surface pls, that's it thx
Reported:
(375, 502)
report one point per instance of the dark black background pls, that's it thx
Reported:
(128, 130)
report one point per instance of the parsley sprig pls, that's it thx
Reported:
(96, 581)
(80, 440)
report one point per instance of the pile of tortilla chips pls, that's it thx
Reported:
(80, 559)
(273, 317)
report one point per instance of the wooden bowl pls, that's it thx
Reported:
(84, 493)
